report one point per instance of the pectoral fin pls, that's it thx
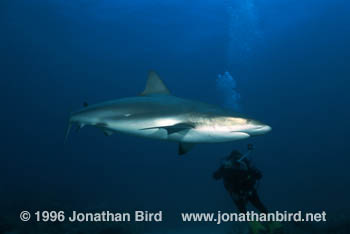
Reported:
(185, 147)
(174, 128)
(177, 128)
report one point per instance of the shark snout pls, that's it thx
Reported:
(265, 129)
(261, 129)
(257, 128)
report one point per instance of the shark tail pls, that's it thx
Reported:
(68, 130)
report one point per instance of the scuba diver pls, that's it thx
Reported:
(241, 180)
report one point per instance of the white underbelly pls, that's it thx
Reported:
(200, 136)
(190, 135)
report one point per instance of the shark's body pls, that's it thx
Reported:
(159, 115)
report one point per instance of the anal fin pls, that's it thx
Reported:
(108, 132)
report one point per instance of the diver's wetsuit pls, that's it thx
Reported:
(239, 180)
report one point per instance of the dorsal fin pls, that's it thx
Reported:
(155, 85)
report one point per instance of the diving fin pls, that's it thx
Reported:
(256, 227)
(184, 147)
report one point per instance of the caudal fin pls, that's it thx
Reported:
(67, 131)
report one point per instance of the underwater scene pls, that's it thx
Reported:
(173, 116)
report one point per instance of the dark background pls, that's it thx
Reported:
(294, 76)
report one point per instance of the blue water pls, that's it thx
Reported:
(290, 61)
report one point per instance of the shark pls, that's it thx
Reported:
(157, 114)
